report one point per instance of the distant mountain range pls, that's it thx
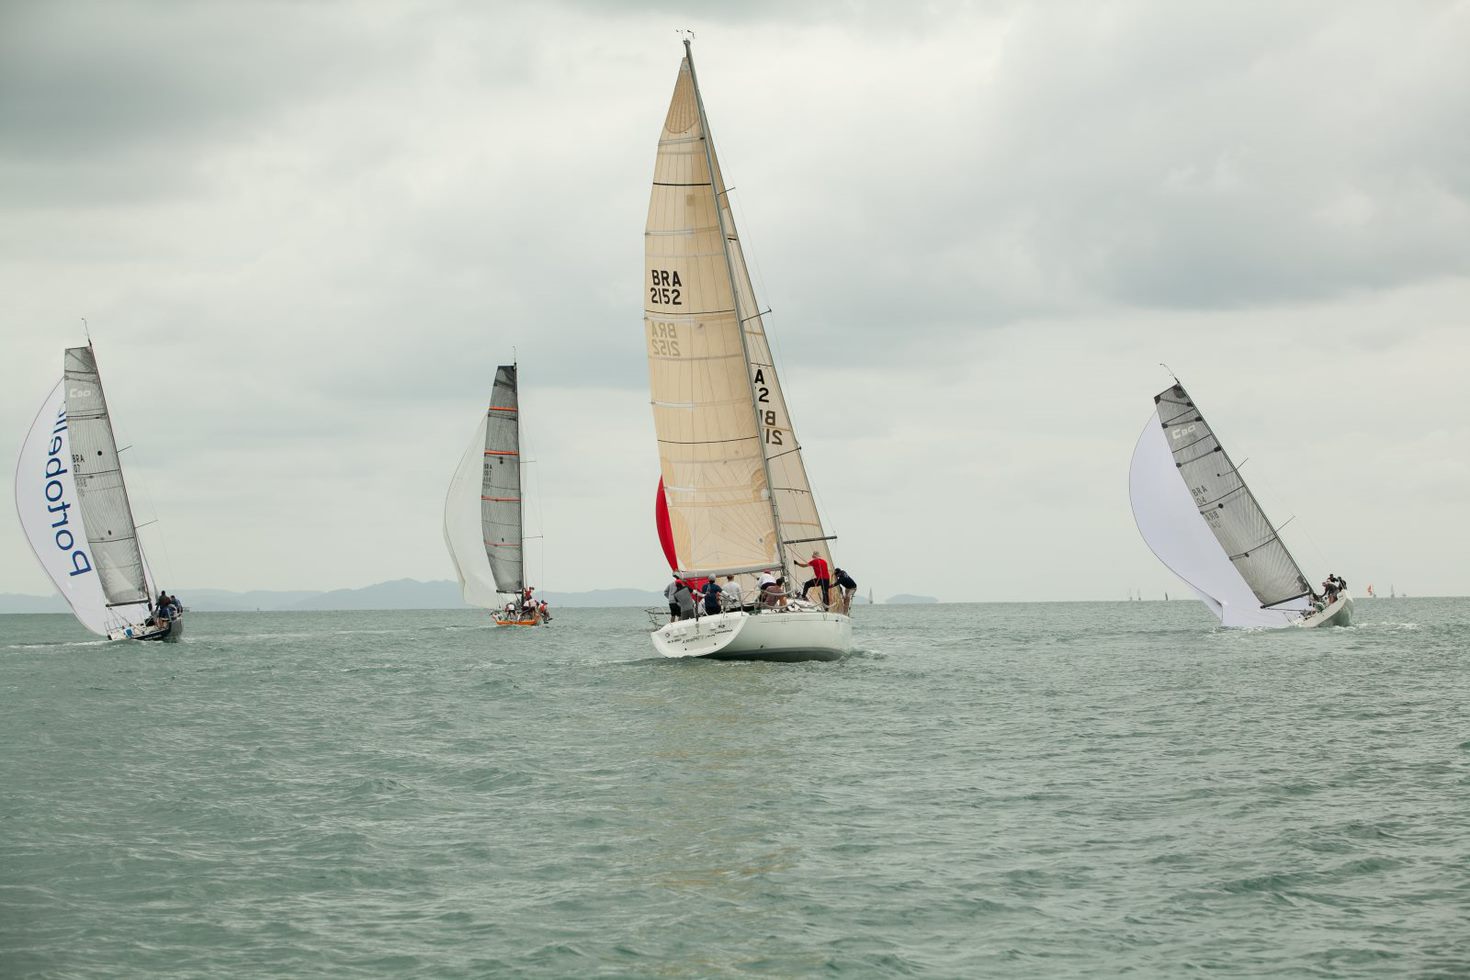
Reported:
(405, 593)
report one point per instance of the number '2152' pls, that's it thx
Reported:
(666, 287)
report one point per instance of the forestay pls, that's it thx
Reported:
(733, 476)
(1225, 503)
(102, 495)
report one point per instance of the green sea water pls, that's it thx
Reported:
(1040, 790)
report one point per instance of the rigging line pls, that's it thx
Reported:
(773, 348)
(145, 496)
(1304, 526)
(1247, 553)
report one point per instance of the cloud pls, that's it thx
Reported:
(305, 234)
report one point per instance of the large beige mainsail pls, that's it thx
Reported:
(726, 445)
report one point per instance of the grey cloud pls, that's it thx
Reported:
(338, 232)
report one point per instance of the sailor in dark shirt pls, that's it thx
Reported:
(848, 587)
(712, 592)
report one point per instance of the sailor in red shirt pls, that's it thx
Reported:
(821, 576)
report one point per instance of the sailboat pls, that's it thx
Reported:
(74, 509)
(1196, 513)
(734, 484)
(483, 519)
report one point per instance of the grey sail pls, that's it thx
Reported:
(1225, 502)
(102, 495)
(500, 490)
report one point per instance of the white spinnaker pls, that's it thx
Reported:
(46, 501)
(462, 527)
(1172, 527)
(718, 408)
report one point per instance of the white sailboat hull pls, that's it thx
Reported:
(787, 636)
(1337, 613)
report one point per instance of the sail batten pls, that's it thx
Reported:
(731, 471)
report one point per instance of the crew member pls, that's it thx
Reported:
(847, 588)
(821, 577)
(712, 592)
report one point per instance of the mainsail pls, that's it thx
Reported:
(102, 495)
(1226, 504)
(500, 488)
(482, 513)
(735, 485)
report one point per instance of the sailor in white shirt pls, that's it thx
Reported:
(731, 593)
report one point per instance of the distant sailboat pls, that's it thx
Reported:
(1196, 513)
(484, 526)
(734, 484)
(74, 508)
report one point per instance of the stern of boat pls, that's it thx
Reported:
(1338, 613)
(781, 636)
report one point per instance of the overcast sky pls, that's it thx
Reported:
(304, 234)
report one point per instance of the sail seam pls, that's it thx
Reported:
(1222, 496)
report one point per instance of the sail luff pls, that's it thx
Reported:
(102, 492)
(1226, 504)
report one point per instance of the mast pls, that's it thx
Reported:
(719, 192)
(515, 368)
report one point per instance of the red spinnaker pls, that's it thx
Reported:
(666, 534)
